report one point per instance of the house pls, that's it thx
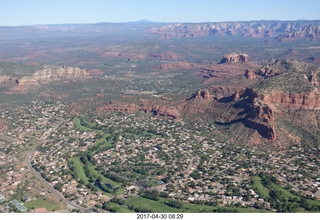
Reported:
(18, 205)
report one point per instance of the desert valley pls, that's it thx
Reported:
(160, 117)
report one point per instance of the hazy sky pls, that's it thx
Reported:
(29, 12)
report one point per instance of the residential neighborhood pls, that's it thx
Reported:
(90, 160)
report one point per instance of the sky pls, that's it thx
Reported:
(31, 12)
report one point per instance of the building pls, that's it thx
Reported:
(18, 205)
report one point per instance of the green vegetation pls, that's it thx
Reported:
(79, 170)
(76, 121)
(281, 198)
(41, 203)
(169, 205)
(154, 206)
(16, 69)
(113, 207)
(105, 180)
(259, 188)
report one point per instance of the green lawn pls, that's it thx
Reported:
(284, 191)
(121, 208)
(90, 126)
(160, 206)
(155, 206)
(288, 194)
(41, 203)
(79, 169)
(261, 190)
(76, 121)
(106, 180)
(188, 207)
(101, 140)
(102, 144)
(79, 165)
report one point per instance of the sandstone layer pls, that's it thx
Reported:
(281, 30)
(157, 108)
(235, 58)
(47, 74)
(175, 65)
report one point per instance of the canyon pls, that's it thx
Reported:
(280, 30)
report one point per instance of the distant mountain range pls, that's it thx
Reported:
(143, 21)
(280, 30)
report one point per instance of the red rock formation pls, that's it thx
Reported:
(118, 107)
(237, 94)
(203, 94)
(143, 105)
(260, 117)
(137, 57)
(311, 31)
(265, 130)
(49, 74)
(313, 79)
(250, 74)
(235, 58)
(169, 55)
(43, 76)
(261, 111)
(175, 65)
(282, 29)
(159, 108)
(308, 101)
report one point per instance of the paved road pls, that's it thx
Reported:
(58, 194)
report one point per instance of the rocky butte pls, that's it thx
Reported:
(283, 90)
(235, 58)
(266, 104)
(47, 74)
(286, 87)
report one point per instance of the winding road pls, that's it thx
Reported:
(58, 194)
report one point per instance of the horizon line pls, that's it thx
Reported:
(145, 21)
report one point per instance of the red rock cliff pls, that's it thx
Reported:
(260, 117)
(309, 101)
(235, 58)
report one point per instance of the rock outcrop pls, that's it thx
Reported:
(137, 57)
(293, 101)
(250, 74)
(118, 107)
(160, 108)
(168, 55)
(203, 94)
(175, 65)
(49, 74)
(234, 58)
(260, 117)
(314, 80)
(311, 31)
(276, 67)
(281, 30)
(45, 75)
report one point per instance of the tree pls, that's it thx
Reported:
(174, 204)
(58, 186)
(248, 195)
